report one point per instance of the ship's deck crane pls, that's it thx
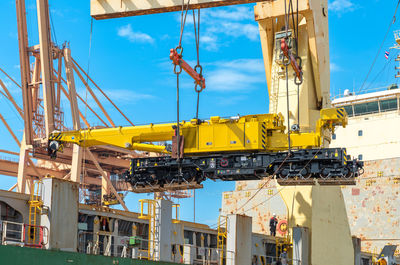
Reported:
(253, 146)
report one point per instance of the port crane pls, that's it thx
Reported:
(300, 151)
(290, 143)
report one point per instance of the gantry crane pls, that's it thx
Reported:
(290, 143)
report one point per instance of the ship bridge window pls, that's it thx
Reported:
(349, 110)
(388, 104)
(366, 108)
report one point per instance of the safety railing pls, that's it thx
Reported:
(189, 254)
(21, 234)
(104, 243)
(12, 233)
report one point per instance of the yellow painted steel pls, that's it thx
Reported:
(262, 132)
(35, 206)
(113, 201)
(177, 208)
(222, 235)
(322, 210)
(150, 216)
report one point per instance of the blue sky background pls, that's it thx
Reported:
(129, 60)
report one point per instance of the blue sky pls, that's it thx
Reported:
(129, 60)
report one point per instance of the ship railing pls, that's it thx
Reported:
(20, 234)
(106, 244)
(190, 254)
(273, 260)
(12, 233)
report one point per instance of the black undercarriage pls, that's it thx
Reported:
(328, 166)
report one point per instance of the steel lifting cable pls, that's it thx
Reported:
(86, 107)
(260, 188)
(198, 88)
(178, 71)
(287, 79)
(298, 57)
(265, 184)
(296, 39)
(183, 22)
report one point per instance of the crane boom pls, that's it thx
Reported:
(250, 133)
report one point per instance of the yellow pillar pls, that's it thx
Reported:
(322, 210)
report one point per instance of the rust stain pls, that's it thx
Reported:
(372, 205)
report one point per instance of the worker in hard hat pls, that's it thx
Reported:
(284, 257)
(272, 224)
(381, 260)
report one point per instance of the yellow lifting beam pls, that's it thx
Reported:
(262, 132)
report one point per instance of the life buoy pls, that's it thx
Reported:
(282, 227)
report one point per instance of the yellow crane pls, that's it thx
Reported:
(290, 143)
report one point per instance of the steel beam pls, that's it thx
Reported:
(102, 92)
(11, 99)
(76, 164)
(23, 159)
(93, 95)
(107, 179)
(104, 9)
(10, 168)
(25, 72)
(46, 60)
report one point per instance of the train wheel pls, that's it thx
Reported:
(325, 174)
(304, 173)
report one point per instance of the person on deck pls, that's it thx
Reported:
(272, 224)
(284, 257)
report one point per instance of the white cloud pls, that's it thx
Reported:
(235, 29)
(11, 87)
(335, 67)
(116, 95)
(121, 95)
(236, 13)
(341, 6)
(219, 23)
(134, 36)
(210, 42)
(236, 75)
